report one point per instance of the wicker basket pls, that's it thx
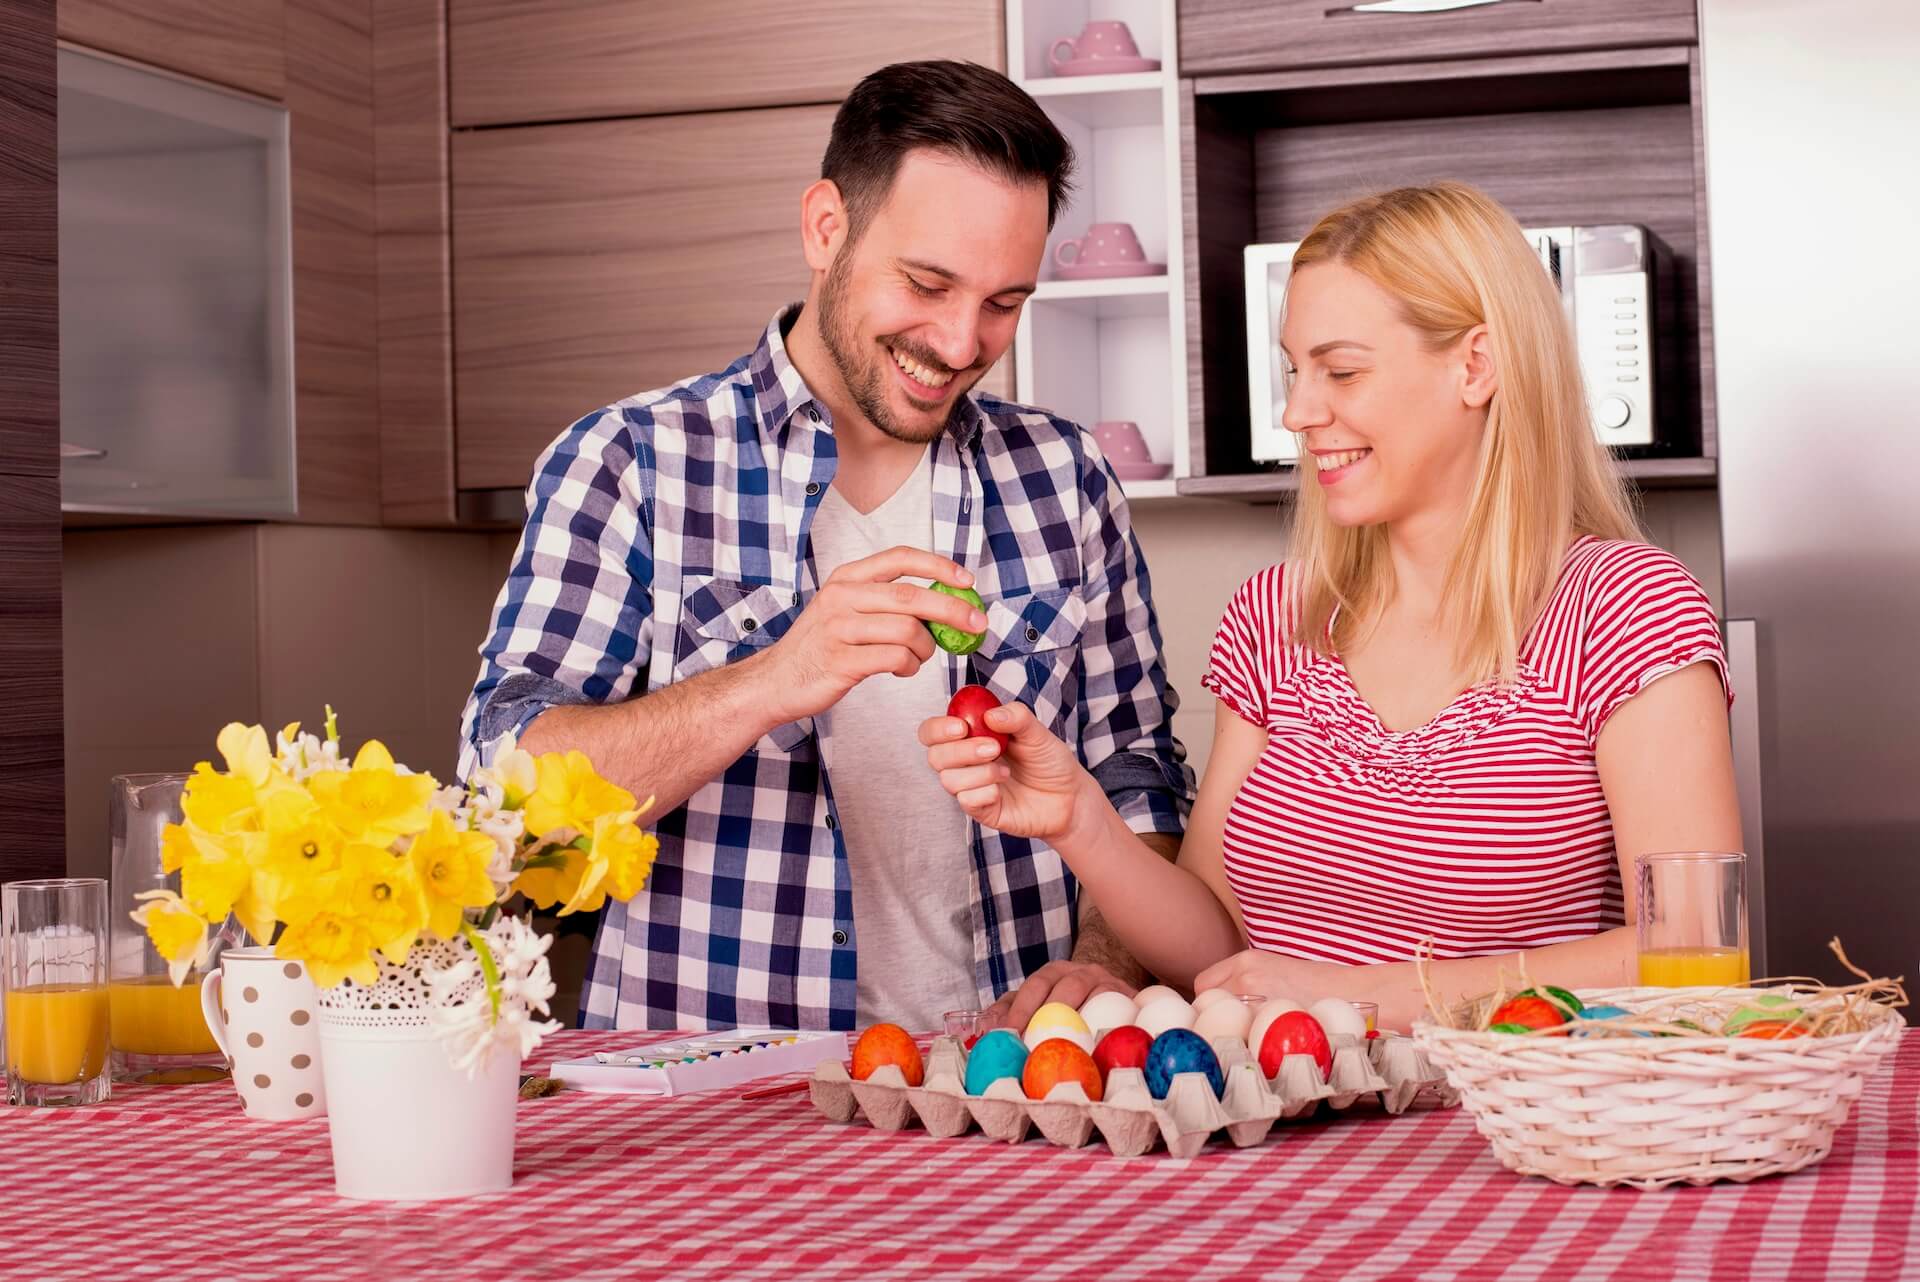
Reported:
(1653, 1111)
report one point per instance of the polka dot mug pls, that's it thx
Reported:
(261, 1010)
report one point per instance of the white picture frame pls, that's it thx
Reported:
(1267, 270)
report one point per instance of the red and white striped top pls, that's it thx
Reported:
(1485, 829)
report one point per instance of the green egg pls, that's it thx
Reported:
(953, 640)
(1508, 1028)
(1765, 1006)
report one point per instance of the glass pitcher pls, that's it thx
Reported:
(158, 1034)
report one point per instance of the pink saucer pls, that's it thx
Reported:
(1106, 66)
(1141, 471)
(1103, 271)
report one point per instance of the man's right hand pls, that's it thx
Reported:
(861, 623)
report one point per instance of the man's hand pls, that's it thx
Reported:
(1060, 981)
(859, 624)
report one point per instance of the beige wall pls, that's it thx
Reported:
(1198, 551)
(171, 633)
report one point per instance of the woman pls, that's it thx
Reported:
(1466, 700)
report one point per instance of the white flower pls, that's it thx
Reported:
(511, 773)
(304, 755)
(461, 1013)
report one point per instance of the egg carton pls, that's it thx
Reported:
(1127, 1117)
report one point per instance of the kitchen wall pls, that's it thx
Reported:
(171, 633)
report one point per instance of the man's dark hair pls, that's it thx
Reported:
(960, 108)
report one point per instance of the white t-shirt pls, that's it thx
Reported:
(908, 842)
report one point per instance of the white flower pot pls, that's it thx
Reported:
(406, 1125)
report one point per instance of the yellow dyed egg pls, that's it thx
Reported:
(1056, 1019)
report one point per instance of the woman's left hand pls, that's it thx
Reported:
(1255, 972)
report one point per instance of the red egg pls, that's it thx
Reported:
(1058, 1060)
(1529, 1011)
(1295, 1033)
(887, 1044)
(972, 704)
(1122, 1048)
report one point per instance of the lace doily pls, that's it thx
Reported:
(400, 997)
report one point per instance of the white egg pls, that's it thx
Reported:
(1202, 1000)
(1168, 1012)
(1222, 1019)
(1263, 1020)
(1148, 996)
(1108, 1010)
(1337, 1016)
(1083, 1040)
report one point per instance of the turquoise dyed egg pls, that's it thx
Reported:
(997, 1054)
(1601, 1013)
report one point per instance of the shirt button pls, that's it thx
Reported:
(1033, 634)
(749, 625)
(813, 488)
(832, 823)
(839, 937)
(814, 415)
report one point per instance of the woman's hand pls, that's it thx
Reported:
(1254, 972)
(1032, 790)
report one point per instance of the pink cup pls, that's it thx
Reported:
(1104, 245)
(1121, 442)
(1096, 40)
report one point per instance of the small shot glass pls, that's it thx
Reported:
(963, 1026)
(1369, 1011)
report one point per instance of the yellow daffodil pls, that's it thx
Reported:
(248, 754)
(555, 879)
(300, 845)
(373, 802)
(215, 872)
(179, 934)
(382, 892)
(515, 770)
(214, 802)
(451, 867)
(571, 795)
(176, 843)
(333, 944)
(626, 852)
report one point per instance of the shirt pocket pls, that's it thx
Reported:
(1032, 650)
(723, 621)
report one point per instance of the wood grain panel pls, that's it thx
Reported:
(29, 243)
(230, 42)
(329, 45)
(32, 785)
(1217, 188)
(594, 261)
(1251, 35)
(1703, 269)
(416, 317)
(521, 61)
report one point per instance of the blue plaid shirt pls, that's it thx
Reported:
(666, 536)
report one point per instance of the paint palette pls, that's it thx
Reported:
(702, 1063)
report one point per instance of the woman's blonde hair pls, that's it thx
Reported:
(1453, 258)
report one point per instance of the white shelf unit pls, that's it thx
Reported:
(1112, 348)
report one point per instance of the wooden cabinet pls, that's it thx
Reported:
(593, 261)
(30, 737)
(230, 42)
(520, 61)
(1261, 35)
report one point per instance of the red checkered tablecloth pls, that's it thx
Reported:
(174, 1183)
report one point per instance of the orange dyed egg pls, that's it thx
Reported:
(887, 1044)
(1058, 1060)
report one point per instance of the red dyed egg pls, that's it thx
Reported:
(971, 704)
(1122, 1048)
(1530, 1012)
(1295, 1033)
(887, 1044)
(1058, 1060)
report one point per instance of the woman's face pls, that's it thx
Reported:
(1389, 428)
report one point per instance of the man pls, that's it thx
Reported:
(719, 598)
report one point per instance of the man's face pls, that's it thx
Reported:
(926, 300)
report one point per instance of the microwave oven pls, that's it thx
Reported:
(1611, 279)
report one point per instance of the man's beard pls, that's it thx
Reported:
(866, 383)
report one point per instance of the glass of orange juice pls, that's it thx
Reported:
(53, 968)
(1692, 920)
(159, 1035)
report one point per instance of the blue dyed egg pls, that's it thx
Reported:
(1181, 1050)
(997, 1054)
(1603, 1013)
